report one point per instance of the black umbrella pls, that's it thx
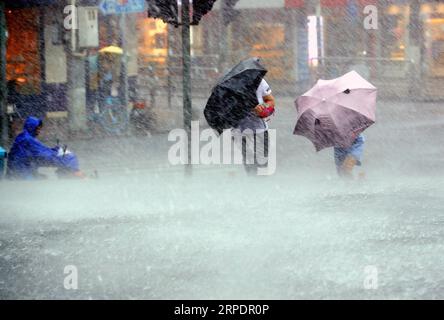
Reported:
(234, 96)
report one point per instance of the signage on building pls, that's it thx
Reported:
(121, 6)
(88, 27)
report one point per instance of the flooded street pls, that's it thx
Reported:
(144, 230)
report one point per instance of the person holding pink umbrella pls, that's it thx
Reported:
(334, 113)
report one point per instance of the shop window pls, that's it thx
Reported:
(197, 41)
(153, 41)
(23, 52)
(267, 41)
(434, 38)
(396, 35)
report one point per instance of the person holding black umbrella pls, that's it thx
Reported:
(254, 130)
(242, 100)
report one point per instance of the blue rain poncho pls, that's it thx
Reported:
(27, 154)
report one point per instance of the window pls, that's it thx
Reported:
(22, 51)
(396, 35)
(434, 38)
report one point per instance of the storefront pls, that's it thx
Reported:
(395, 38)
(266, 33)
(24, 57)
(35, 63)
(399, 42)
(153, 41)
(262, 36)
(433, 17)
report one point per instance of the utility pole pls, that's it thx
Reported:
(416, 49)
(3, 94)
(303, 70)
(319, 25)
(76, 80)
(223, 48)
(186, 51)
(124, 90)
(170, 53)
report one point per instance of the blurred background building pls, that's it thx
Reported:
(55, 70)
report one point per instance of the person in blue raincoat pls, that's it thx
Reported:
(27, 154)
(347, 158)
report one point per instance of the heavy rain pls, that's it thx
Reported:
(121, 185)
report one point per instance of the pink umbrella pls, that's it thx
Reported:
(334, 112)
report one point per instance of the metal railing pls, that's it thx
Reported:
(161, 75)
(204, 70)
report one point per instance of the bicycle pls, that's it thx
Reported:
(111, 115)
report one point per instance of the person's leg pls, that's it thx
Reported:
(248, 153)
(346, 169)
(344, 161)
(262, 145)
(339, 157)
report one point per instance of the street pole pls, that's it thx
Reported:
(223, 48)
(319, 31)
(76, 81)
(169, 65)
(3, 94)
(125, 59)
(186, 52)
(416, 50)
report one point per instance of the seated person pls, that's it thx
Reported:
(27, 154)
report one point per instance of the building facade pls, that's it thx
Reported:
(299, 41)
